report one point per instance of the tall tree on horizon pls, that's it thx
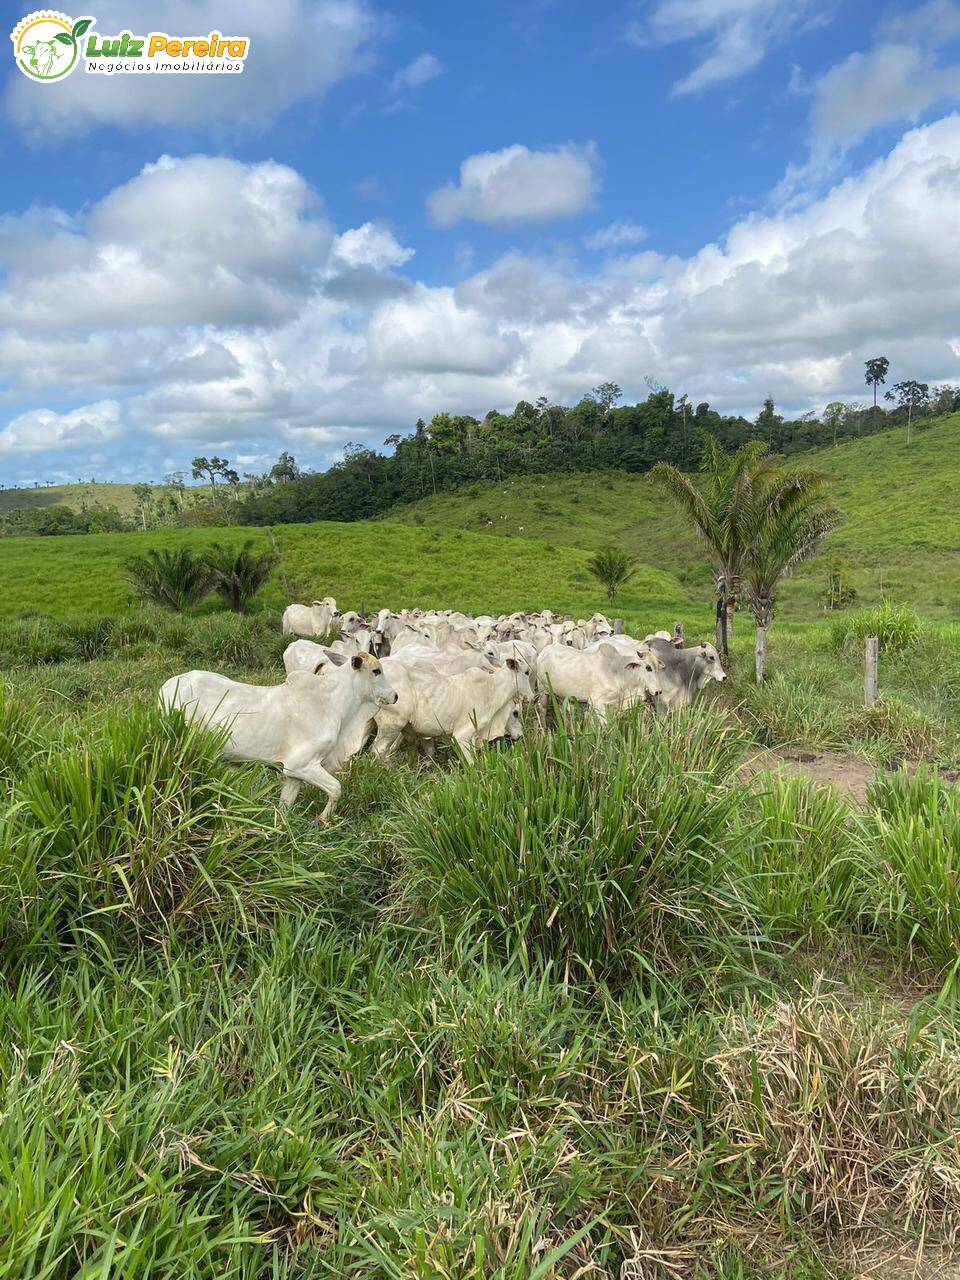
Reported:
(876, 374)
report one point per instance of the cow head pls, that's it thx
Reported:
(515, 725)
(43, 56)
(521, 674)
(708, 665)
(372, 679)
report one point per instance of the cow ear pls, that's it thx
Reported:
(318, 669)
(513, 664)
(356, 661)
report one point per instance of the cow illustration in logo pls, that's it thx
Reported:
(46, 44)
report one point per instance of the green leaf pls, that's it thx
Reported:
(63, 37)
(81, 25)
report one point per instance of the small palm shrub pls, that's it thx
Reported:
(912, 836)
(612, 568)
(800, 867)
(238, 575)
(134, 823)
(896, 626)
(602, 850)
(174, 579)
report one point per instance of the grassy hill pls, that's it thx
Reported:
(901, 535)
(377, 563)
(78, 497)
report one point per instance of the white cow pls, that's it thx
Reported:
(467, 706)
(305, 725)
(306, 655)
(602, 677)
(316, 619)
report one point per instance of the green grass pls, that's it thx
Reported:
(901, 534)
(373, 564)
(78, 497)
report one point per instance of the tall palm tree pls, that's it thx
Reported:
(789, 515)
(719, 509)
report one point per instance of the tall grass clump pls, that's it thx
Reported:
(800, 867)
(912, 835)
(174, 579)
(896, 626)
(134, 824)
(21, 736)
(601, 849)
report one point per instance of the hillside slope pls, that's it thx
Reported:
(901, 534)
(374, 564)
(78, 497)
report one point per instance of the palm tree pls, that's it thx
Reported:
(719, 510)
(174, 579)
(613, 568)
(876, 374)
(237, 576)
(789, 516)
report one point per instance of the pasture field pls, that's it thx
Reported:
(78, 497)
(373, 563)
(604, 1004)
(900, 537)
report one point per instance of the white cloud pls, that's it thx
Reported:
(733, 36)
(889, 83)
(424, 68)
(327, 343)
(43, 431)
(372, 245)
(298, 50)
(516, 185)
(616, 236)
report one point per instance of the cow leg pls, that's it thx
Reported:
(465, 742)
(386, 742)
(289, 791)
(313, 772)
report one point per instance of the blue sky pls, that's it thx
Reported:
(394, 211)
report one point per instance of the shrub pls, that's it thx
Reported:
(125, 829)
(612, 568)
(601, 849)
(238, 575)
(913, 837)
(896, 626)
(175, 579)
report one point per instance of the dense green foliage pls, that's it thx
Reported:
(456, 450)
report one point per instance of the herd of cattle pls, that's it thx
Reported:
(421, 676)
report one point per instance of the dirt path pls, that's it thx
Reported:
(849, 774)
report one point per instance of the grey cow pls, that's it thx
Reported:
(685, 672)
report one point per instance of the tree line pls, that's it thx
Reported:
(598, 433)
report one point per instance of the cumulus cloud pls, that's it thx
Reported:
(372, 245)
(732, 36)
(298, 50)
(516, 185)
(616, 236)
(43, 431)
(339, 344)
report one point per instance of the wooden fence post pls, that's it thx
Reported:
(870, 671)
(618, 626)
(678, 635)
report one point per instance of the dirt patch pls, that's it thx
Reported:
(847, 773)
